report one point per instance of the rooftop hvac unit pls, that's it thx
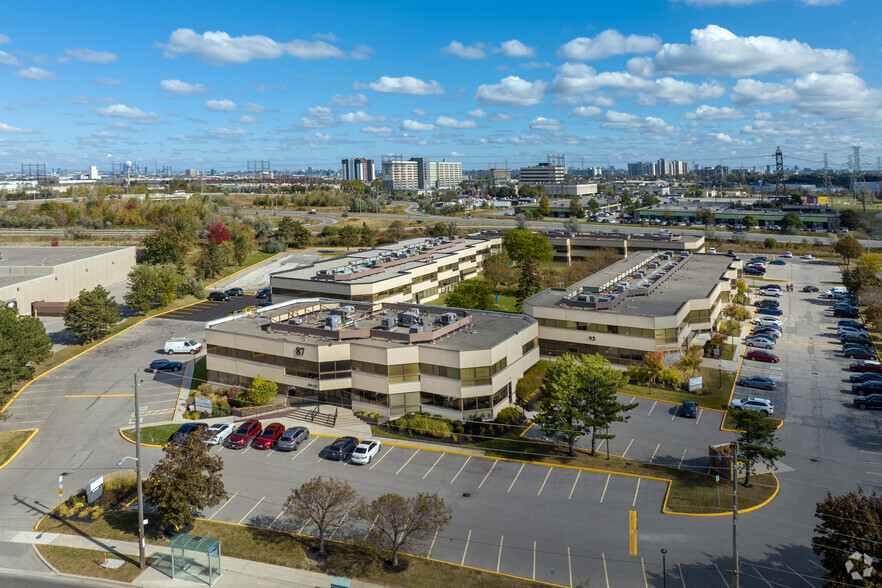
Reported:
(584, 298)
(296, 321)
(448, 318)
(387, 323)
(415, 329)
(333, 322)
(405, 319)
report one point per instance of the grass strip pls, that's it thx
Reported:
(200, 375)
(155, 435)
(88, 562)
(10, 442)
(718, 382)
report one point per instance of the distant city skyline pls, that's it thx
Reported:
(212, 85)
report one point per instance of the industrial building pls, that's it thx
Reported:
(814, 216)
(569, 247)
(381, 357)
(651, 300)
(30, 275)
(413, 270)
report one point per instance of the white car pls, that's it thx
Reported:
(808, 256)
(770, 291)
(712, 250)
(768, 321)
(218, 433)
(365, 451)
(788, 254)
(753, 403)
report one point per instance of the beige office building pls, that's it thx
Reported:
(381, 357)
(413, 270)
(645, 302)
(569, 247)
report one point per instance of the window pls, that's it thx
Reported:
(529, 345)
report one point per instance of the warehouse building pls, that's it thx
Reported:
(382, 357)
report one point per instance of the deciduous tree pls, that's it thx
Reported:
(497, 268)
(576, 210)
(294, 233)
(215, 254)
(91, 314)
(153, 284)
(186, 480)
(848, 248)
(400, 522)
(544, 209)
(242, 238)
(790, 223)
(323, 503)
(850, 523)
(757, 441)
(474, 294)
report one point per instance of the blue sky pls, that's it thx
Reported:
(213, 84)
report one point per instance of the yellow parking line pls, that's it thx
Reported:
(632, 532)
(97, 395)
(576, 481)
(516, 477)
(221, 508)
(252, 509)
(809, 344)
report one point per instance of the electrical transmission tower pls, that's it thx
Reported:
(828, 187)
(779, 174)
(857, 176)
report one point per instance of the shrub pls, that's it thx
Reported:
(730, 327)
(122, 482)
(508, 416)
(274, 245)
(528, 386)
(260, 391)
(368, 414)
(424, 424)
(671, 376)
(206, 389)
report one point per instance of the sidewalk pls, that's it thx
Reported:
(236, 572)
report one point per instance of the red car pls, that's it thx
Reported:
(760, 355)
(243, 435)
(269, 436)
(866, 366)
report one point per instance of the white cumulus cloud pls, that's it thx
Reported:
(255, 108)
(705, 112)
(512, 91)
(360, 116)
(179, 87)
(452, 123)
(374, 130)
(224, 105)
(586, 111)
(354, 100)
(514, 48)
(247, 119)
(7, 59)
(406, 85)
(4, 39)
(36, 73)
(129, 113)
(607, 44)
(631, 122)
(416, 126)
(10, 130)
(90, 55)
(320, 117)
(219, 48)
(540, 123)
(464, 51)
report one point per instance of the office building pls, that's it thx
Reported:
(358, 168)
(381, 357)
(642, 168)
(651, 300)
(543, 174)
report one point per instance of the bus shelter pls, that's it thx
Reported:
(194, 543)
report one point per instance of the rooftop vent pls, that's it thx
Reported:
(333, 322)
(448, 318)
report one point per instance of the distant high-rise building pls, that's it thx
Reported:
(498, 173)
(444, 175)
(420, 173)
(664, 167)
(642, 168)
(679, 168)
(399, 174)
(544, 173)
(93, 172)
(359, 168)
(191, 173)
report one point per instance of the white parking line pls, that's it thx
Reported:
(277, 518)
(252, 509)
(698, 418)
(466, 550)
(460, 470)
(673, 416)
(570, 565)
(221, 508)
(407, 462)
(628, 447)
(654, 403)
(388, 451)
(642, 567)
(544, 482)
(298, 452)
(682, 457)
(433, 466)
(682, 578)
(573, 489)
(604, 488)
(516, 477)
(488, 474)
(758, 573)
(605, 574)
(720, 572)
(636, 490)
(306, 522)
(338, 526)
(431, 547)
(499, 557)
(534, 561)
(374, 522)
(654, 452)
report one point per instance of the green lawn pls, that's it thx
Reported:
(156, 435)
(718, 382)
(200, 375)
(506, 302)
(87, 562)
(10, 442)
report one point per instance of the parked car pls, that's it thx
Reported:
(218, 433)
(164, 365)
(760, 341)
(265, 302)
(768, 321)
(761, 258)
(264, 293)
(757, 382)
(811, 289)
(845, 329)
(767, 303)
(752, 403)
(854, 378)
(859, 353)
(341, 448)
(854, 324)
(770, 310)
(234, 292)
(854, 337)
(770, 291)
(711, 249)
(788, 254)
(770, 332)
(752, 271)
(270, 435)
(778, 262)
(871, 401)
(365, 450)
(292, 438)
(759, 355)
(808, 256)
(245, 434)
(847, 307)
(868, 387)
(219, 297)
(689, 409)
(185, 430)
(866, 366)
(845, 313)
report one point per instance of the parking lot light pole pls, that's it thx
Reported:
(664, 569)
(142, 540)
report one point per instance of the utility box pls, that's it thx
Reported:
(95, 489)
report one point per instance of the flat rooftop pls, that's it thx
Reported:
(300, 321)
(692, 280)
(22, 264)
(383, 262)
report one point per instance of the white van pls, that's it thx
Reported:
(835, 290)
(182, 345)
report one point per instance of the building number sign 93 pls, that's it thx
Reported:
(298, 351)
(592, 338)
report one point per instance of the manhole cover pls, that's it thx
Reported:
(466, 495)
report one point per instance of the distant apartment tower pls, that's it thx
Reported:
(420, 173)
(499, 173)
(679, 168)
(642, 168)
(359, 168)
(399, 174)
(544, 173)
(445, 174)
(664, 167)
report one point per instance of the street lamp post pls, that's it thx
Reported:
(142, 541)
(664, 569)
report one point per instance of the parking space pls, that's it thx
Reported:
(209, 310)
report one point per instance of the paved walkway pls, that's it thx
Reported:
(236, 572)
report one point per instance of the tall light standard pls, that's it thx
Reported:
(142, 541)
(664, 569)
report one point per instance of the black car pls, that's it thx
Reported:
(341, 448)
(845, 306)
(689, 409)
(871, 401)
(264, 293)
(854, 324)
(752, 271)
(165, 365)
(219, 297)
(864, 377)
(757, 382)
(811, 289)
(186, 430)
(845, 313)
(767, 303)
(234, 292)
(859, 353)
(868, 387)
(860, 337)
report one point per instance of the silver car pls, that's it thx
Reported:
(292, 438)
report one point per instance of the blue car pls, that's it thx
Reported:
(778, 262)
(770, 310)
